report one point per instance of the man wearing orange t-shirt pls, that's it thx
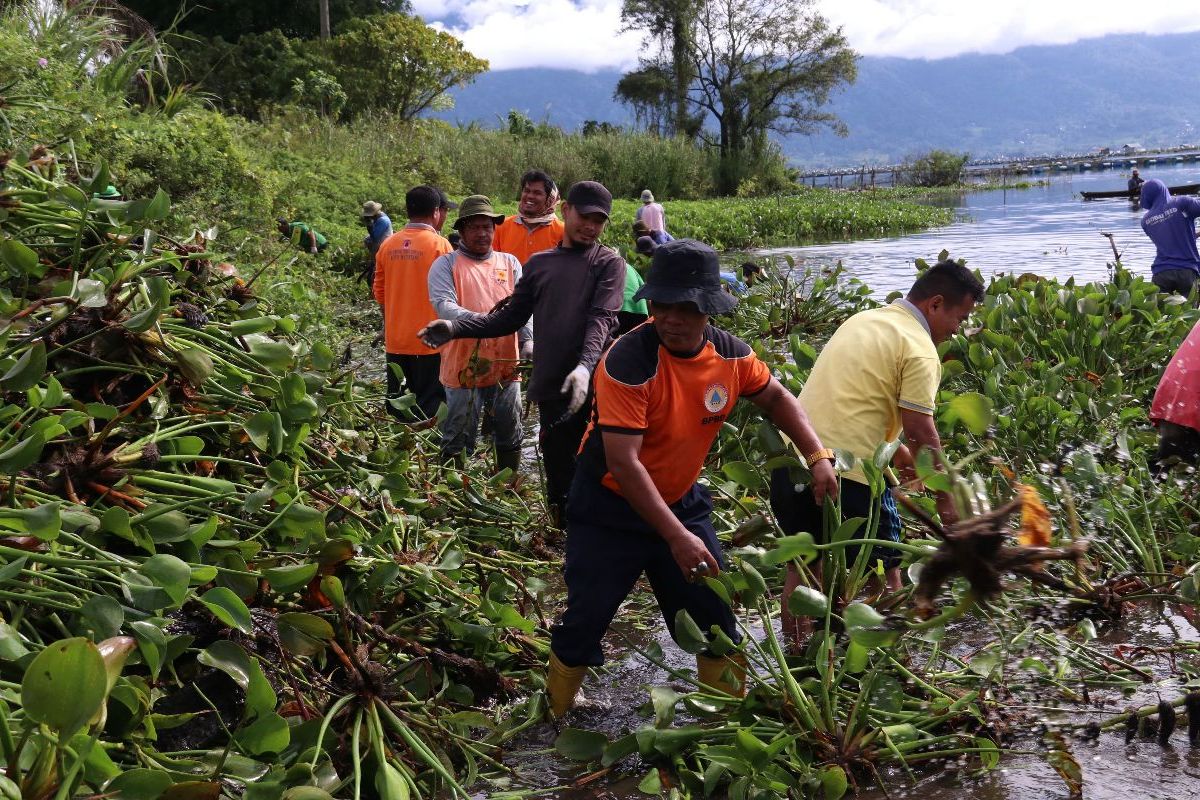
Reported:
(401, 288)
(534, 227)
(663, 391)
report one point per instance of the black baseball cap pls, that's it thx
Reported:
(446, 202)
(590, 197)
(687, 271)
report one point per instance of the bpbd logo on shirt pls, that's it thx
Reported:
(716, 397)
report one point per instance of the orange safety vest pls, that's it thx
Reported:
(476, 363)
(513, 237)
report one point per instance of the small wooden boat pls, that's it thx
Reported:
(1187, 188)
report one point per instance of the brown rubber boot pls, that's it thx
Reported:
(562, 684)
(726, 674)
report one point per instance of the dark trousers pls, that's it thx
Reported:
(1176, 443)
(798, 511)
(559, 436)
(420, 374)
(1175, 280)
(608, 548)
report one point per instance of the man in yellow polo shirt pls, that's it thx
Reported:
(877, 378)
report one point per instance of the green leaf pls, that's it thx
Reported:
(243, 327)
(65, 685)
(138, 784)
(12, 646)
(867, 626)
(245, 671)
(651, 783)
(22, 454)
(743, 473)
(265, 430)
(688, 634)
(581, 745)
(267, 734)
(833, 782)
(229, 608)
(91, 293)
(195, 364)
(390, 783)
(971, 409)
(286, 580)
(43, 522)
(18, 257)
(168, 573)
(800, 545)
(28, 371)
(103, 615)
(304, 634)
(986, 661)
(159, 206)
(663, 698)
(806, 601)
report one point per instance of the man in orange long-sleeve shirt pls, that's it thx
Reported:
(401, 280)
(534, 227)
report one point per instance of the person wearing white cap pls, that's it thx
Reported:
(651, 214)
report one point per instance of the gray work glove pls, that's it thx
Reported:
(437, 333)
(575, 388)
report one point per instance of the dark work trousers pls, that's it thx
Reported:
(1176, 444)
(798, 511)
(421, 378)
(1178, 281)
(559, 436)
(608, 548)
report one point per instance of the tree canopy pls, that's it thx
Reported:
(231, 19)
(750, 66)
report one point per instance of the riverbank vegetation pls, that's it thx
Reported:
(225, 572)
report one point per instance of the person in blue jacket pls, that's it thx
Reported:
(1170, 222)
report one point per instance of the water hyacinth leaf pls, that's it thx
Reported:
(663, 698)
(265, 430)
(267, 734)
(28, 371)
(322, 356)
(688, 634)
(651, 783)
(306, 793)
(12, 646)
(867, 626)
(43, 522)
(753, 749)
(229, 608)
(581, 745)
(164, 526)
(390, 783)
(331, 587)
(834, 782)
(798, 546)
(114, 651)
(103, 615)
(986, 662)
(195, 364)
(857, 657)
(65, 685)
(23, 453)
(143, 320)
(138, 784)
(13, 568)
(286, 580)
(806, 601)
(158, 207)
(989, 753)
(743, 473)
(245, 671)
(619, 750)
(275, 356)
(168, 573)
(91, 293)
(244, 327)
(973, 410)
(152, 644)
(19, 258)
(304, 634)
(756, 584)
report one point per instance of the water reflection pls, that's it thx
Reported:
(1047, 230)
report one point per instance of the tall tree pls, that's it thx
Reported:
(397, 62)
(323, 9)
(671, 25)
(230, 19)
(758, 66)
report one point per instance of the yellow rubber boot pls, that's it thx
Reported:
(562, 684)
(727, 673)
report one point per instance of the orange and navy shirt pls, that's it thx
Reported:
(677, 403)
(513, 237)
(401, 286)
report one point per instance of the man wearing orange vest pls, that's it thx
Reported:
(534, 227)
(400, 286)
(479, 375)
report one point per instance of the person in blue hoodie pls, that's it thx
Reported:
(1170, 222)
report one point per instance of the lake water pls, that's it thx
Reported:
(1048, 230)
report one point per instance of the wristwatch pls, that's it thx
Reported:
(824, 453)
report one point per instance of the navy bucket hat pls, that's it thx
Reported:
(687, 271)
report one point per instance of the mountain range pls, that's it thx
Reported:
(1094, 93)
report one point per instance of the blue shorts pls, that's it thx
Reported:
(798, 511)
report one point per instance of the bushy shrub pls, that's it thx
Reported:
(935, 168)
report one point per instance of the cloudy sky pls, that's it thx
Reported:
(585, 34)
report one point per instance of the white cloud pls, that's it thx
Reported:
(563, 34)
(586, 34)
